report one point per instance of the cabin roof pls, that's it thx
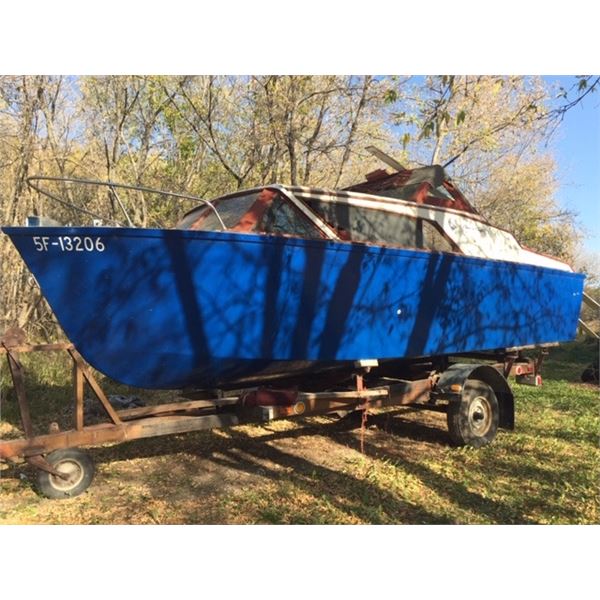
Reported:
(372, 196)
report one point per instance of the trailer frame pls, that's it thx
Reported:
(431, 389)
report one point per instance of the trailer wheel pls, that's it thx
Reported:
(473, 421)
(75, 463)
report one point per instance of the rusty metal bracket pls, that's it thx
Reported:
(360, 387)
(16, 372)
(83, 370)
(78, 385)
(543, 352)
(509, 361)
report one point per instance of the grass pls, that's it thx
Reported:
(312, 471)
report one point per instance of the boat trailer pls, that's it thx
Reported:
(475, 396)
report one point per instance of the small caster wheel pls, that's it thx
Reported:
(76, 464)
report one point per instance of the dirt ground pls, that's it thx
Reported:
(244, 474)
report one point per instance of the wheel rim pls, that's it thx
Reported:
(74, 472)
(480, 415)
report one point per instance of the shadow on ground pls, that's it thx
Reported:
(308, 459)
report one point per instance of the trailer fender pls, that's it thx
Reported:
(453, 379)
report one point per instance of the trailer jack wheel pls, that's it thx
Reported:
(78, 469)
(473, 421)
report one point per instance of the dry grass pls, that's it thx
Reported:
(311, 470)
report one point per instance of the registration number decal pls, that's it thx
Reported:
(68, 243)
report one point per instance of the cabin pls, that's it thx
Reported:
(415, 209)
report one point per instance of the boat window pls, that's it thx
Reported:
(360, 224)
(284, 218)
(265, 211)
(230, 210)
(434, 239)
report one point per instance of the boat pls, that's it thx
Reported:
(286, 283)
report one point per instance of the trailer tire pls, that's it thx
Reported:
(80, 468)
(473, 420)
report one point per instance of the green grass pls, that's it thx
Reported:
(312, 471)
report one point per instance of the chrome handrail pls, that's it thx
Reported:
(111, 185)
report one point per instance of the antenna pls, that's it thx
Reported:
(386, 158)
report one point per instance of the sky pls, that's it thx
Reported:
(577, 151)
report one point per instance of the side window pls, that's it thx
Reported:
(434, 239)
(359, 224)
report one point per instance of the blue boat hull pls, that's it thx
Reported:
(177, 309)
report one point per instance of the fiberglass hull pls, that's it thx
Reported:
(177, 309)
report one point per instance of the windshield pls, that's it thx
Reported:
(263, 211)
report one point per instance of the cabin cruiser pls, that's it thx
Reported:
(286, 283)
